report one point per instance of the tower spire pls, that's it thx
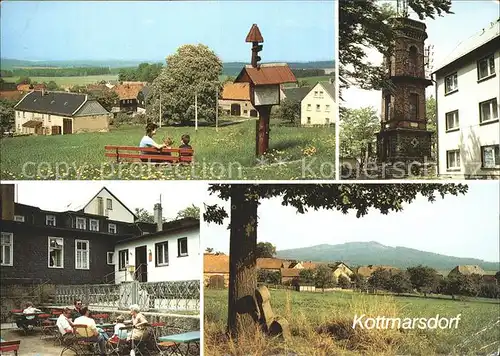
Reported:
(402, 8)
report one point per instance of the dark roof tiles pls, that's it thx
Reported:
(58, 103)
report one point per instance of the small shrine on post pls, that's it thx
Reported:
(265, 81)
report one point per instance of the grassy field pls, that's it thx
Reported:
(295, 153)
(83, 80)
(321, 324)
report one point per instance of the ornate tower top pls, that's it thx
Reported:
(402, 8)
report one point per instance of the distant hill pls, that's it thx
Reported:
(374, 253)
(230, 68)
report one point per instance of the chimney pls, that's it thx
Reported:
(7, 195)
(158, 217)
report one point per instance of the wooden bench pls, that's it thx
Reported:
(9, 346)
(164, 155)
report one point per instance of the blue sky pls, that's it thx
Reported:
(130, 30)
(462, 226)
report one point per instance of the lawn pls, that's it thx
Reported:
(83, 80)
(309, 313)
(295, 153)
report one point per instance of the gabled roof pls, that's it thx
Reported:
(366, 271)
(80, 207)
(329, 88)
(215, 263)
(267, 74)
(467, 270)
(169, 226)
(481, 38)
(296, 94)
(92, 107)
(236, 91)
(53, 102)
(269, 263)
(128, 91)
(145, 91)
(290, 272)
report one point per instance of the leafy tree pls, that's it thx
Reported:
(193, 69)
(209, 250)
(190, 212)
(24, 80)
(302, 83)
(423, 278)
(358, 129)
(497, 276)
(489, 290)
(458, 284)
(359, 281)
(265, 250)
(269, 277)
(7, 113)
(344, 282)
(244, 201)
(323, 277)
(289, 110)
(379, 280)
(306, 276)
(145, 216)
(365, 24)
(400, 283)
(430, 108)
(52, 85)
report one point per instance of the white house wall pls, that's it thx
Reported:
(21, 117)
(318, 117)
(118, 213)
(178, 269)
(471, 135)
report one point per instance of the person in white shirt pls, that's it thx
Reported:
(28, 319)
(64, 323)
(91, 330)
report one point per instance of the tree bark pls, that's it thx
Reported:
(242, 310)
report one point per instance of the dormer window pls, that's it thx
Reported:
(50, 220)
(81, 223)
(19, 218)
(94, 225)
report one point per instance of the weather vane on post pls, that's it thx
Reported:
(255, 37)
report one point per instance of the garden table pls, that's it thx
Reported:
(192, 337)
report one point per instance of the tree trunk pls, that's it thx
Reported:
(242, 310)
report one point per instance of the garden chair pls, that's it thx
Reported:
(10, 346)
(82, 344)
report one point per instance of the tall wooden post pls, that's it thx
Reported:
(262, 129)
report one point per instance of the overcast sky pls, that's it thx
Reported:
(151, 30)
(445, 33)
(175, 196)
(462, 226)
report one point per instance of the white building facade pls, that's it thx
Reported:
(467, 98)
(319, 106)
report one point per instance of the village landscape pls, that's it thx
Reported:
(315, 291)
(85, 106)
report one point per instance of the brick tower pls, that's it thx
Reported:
(403, 136)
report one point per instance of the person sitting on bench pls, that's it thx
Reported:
(147, 141)
(28, 320)
(185, 139)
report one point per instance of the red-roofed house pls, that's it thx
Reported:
(235, 100)
(215, 271)
(128, 93)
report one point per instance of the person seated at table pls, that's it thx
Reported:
(27, 320)
(119, 334)
(91, 331)
(64, 324)
(77, 312)
(139, 322)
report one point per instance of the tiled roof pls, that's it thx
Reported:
(269, 263)
(28, 87)
(267, 74)
(128, 91)
(290, 272)
(11, 94)
(58, 103)
(479, 39)
(329, 88)
(215, 263)
(468, 270)
(236, 91)
(92, 107)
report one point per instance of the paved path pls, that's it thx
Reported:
(31, 345)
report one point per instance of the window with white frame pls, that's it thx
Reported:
(112, 228)
(109, 204)
(7, 251)
(490, 156)
(110, 258)
(308, 107)
(182, 247)
(50, 220)
(81, 223)
(452, 122)
(488, 110)
(318, 107)
(19, 218)
(486, 67)
(162, 253)
(327, 108)
(82, 252)
(56, 252)
(453, 159)
(122, 259)
(451, 83)
(94, 225)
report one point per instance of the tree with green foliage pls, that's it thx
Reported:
(379, 279)
(306, 276)
(190, 212)
(359, 282)
(430, 108)
(357, 133)
(7, 113)
(289, 111)
(265, 250)
(244, 202)
(192, 69)
(424, 279)
(323, 277)
(268, 277)
(107, 98)
(344, 282)
(24, 80)
(399, 283)
(458, 284)
(366, 24)
(497, 276)
(145, 216)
